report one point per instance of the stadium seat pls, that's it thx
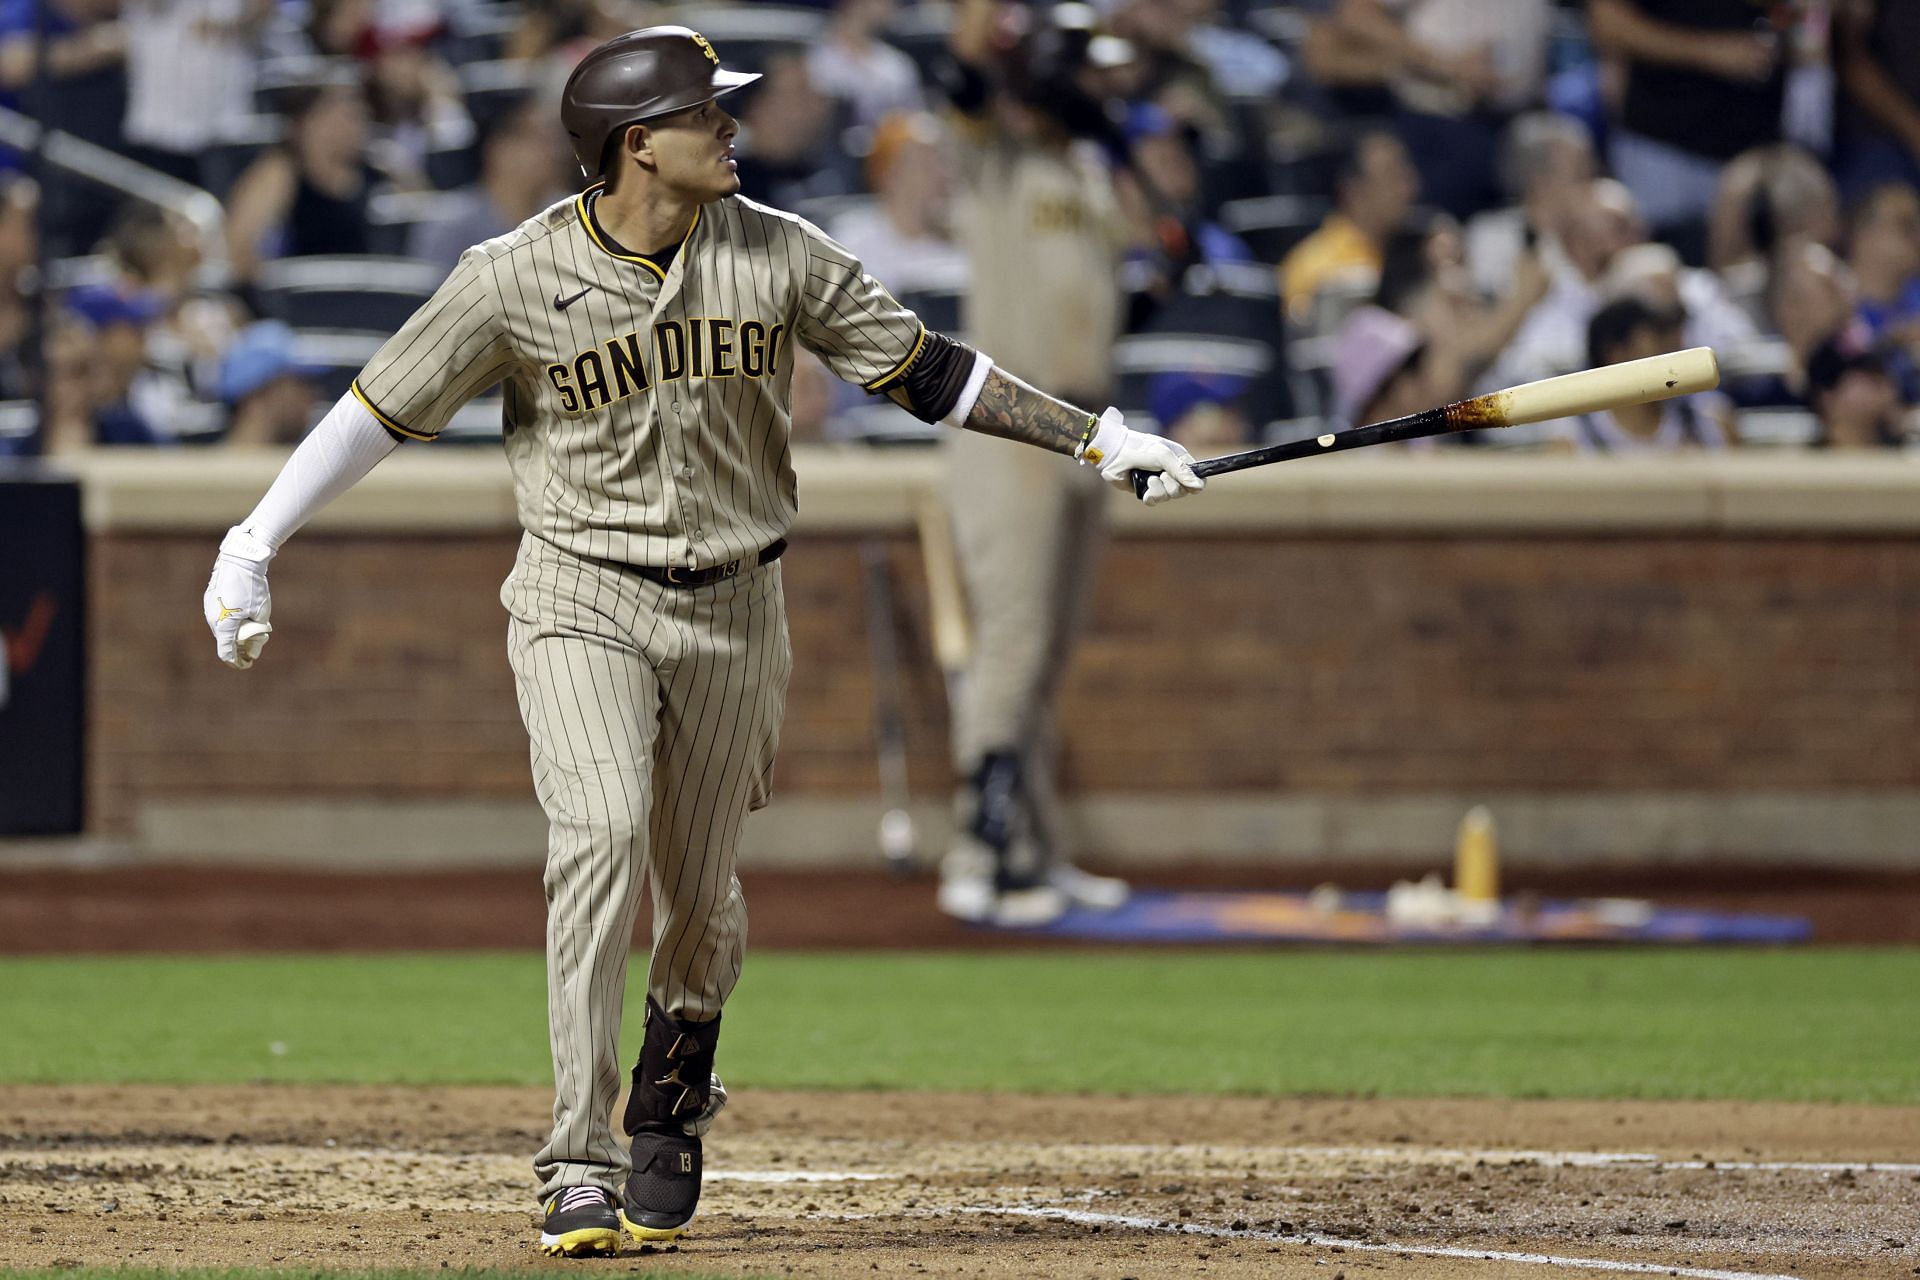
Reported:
(449, 168)
(1272, 225)
(337, 356)
(920, 31)
(18, 419)
(230, 159)
(366, 293)
(278, 74)
(476, 422)
(490, 86)
(822, 210)
(938, 309)
(68, 273)
(1138, 357)
(879, 421)
(1776, 428)
(747, 35)
(1284, 24)
(479, 31)
(394, 214)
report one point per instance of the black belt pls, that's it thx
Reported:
(676, 577)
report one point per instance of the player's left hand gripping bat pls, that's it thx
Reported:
(1613, 386)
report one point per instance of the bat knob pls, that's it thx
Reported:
(1140, 479)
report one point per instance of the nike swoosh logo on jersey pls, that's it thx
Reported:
(561, 304)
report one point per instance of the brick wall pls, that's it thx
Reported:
(1258, 662)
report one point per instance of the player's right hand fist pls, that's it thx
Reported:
(237, 598)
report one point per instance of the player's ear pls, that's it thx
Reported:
(639, 144)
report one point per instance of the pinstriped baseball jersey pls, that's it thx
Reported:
(647, 401)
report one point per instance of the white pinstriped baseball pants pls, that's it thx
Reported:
(654, 713)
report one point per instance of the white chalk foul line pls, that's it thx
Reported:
(1087, 1218)
(792, 1175)
(1614, 1159)
(1579, 1159)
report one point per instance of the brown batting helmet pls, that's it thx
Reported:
(643, 74)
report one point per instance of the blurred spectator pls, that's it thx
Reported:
(335, 27)
(268, 386)
(1553, 337)
(1424, 279)
(1855, 398)
(1164, 166)
(1242, 64)
(96, 359)
(787, 151)
(417, 106)
(309, 195)
(1877, 51)
(1375, 186)
(19, 254)
(1163, 64)
(190, 75)
(850, 61)
(1654, 273)
(1203, 411)
(1706, 80)
(905, 238)
(1884, 253)
(1377, 369)
(152, 250)
(556, 25)
(85, 94)
(522, 170)
(86, 91)
(67, 417)
(1458, 71)
(156, 255)
(1768, 198)
(1547, 168)
(1631, 329)
(1808, 303)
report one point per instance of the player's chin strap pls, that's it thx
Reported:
(673, 1084)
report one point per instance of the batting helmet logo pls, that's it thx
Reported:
(639, 76)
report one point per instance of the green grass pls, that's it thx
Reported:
(1826, 1025)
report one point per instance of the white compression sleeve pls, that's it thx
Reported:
(333, 458)
(969, 392)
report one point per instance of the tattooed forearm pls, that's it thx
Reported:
(1011, 409)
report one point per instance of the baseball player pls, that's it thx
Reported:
(1045, 229)
(643, 331)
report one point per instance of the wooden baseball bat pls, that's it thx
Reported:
(1613, 386)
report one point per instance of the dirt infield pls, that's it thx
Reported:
(843, 1185)
(141, 908)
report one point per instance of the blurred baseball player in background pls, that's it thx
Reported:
(642, 330)
(1045, 231)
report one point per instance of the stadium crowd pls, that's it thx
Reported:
(1339, 210)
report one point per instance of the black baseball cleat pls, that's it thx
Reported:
(664, 1188)
(580, 1222)
(674, 1098)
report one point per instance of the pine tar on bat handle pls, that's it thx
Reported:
(1614, 386)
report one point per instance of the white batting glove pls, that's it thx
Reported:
(237, 603)
(1119, 451)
